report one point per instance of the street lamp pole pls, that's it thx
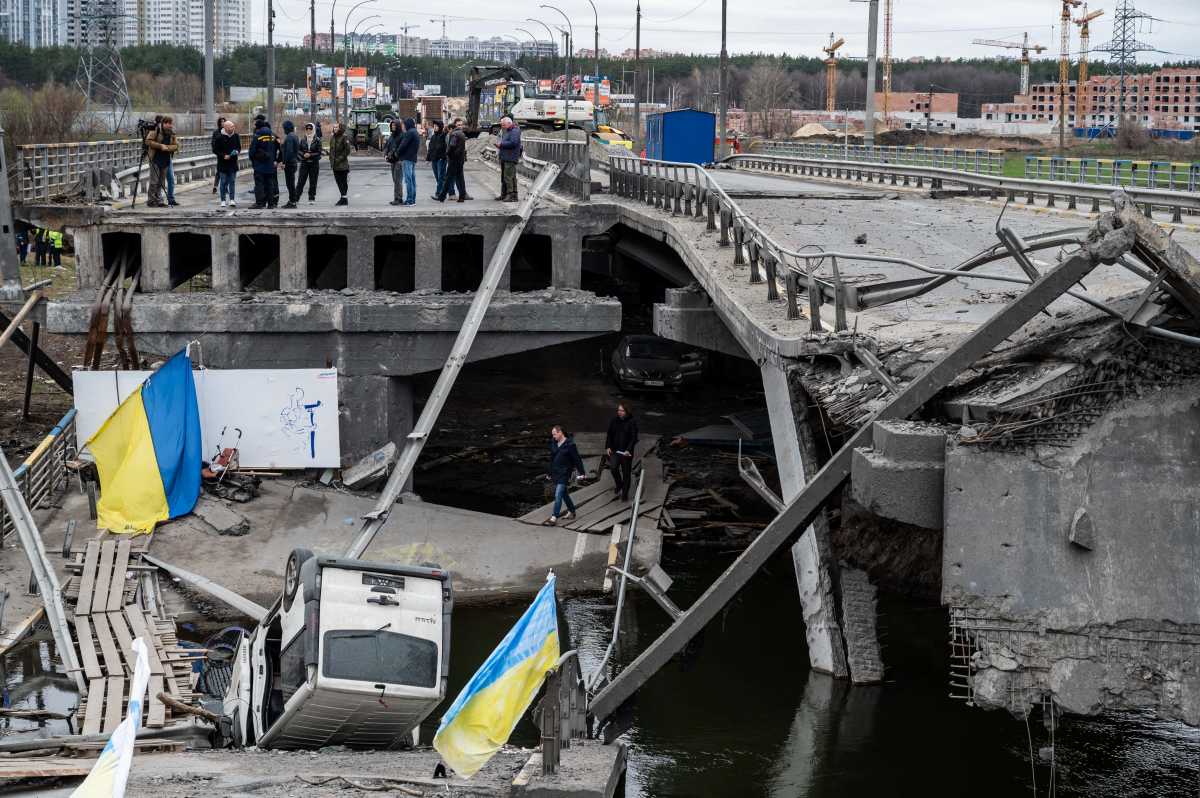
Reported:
(637, 75)
(596, 76)
(345, 45)
(270, 58)
(536, 47)
(570, 77)
(549, 33)
(724, 150)
(346, 61)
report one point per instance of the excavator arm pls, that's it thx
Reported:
(478, 77)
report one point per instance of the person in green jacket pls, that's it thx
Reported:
(339, 161)
(55, 241)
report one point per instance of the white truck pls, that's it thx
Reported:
(353, 653)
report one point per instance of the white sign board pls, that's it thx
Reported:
(288, 417)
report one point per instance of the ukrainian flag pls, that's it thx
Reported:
(148, 452)
(487, 710)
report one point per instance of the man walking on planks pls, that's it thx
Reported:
(564, 458)
(618, 447)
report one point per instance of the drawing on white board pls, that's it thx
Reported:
(299, 419)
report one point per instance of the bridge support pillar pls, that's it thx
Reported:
(566, 266)
(226, 276)
(156, 259)
(293, 260)
(812, 555)
(491, 240)
(360, 262)
(370, 406)
(428, 267)
(89, 257)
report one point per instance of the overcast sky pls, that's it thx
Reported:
(922, 27)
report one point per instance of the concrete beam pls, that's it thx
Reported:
(428, 265)
(902, 476)
(156, 259)
(566, 254)
(360, 261)
(688, 317)
(293, 260)
(226, 271)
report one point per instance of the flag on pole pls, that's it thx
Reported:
(487, 710)
(111, 771)
(148, 452)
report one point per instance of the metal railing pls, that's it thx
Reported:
(531, 166)
(1124, 172)
(563, 712)
(1149, 198)
(575, 177)
(685, 188)
(978, 161)
(44, 470)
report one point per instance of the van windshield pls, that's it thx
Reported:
(380, 657)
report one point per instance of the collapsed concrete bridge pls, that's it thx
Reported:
(1039, 556)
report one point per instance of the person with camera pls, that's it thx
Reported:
(264, 152)
(161, 147)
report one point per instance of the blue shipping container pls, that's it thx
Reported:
(684, 136)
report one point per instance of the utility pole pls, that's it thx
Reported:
(312, 57)
(869, 115)
(637, 65)
(270, 58)
(596, 76)
(724, 131)
(928, 114)
(210, 107)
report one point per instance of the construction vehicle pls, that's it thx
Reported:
(364, 127)
(512, 97)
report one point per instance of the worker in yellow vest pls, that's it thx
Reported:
(55, 241)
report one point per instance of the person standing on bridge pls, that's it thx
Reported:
(437, 158)
(619, 444)
(564, 460)
(339, 161)
(310, 162)
(215, 143)
(291, 161)
(406, 151)
(228, 149)
(510, 155)
(162, 147)
(391, 154)
(264, 150)
(456, 159)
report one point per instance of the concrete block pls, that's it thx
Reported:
(222, 518)
(293, 260)
(822, 627)
(907, 491)
(428, 256)
(588, 769)
(1078, 685)
(909, 440)
(226, 275)
(360, 262)
(566, 256)
(700, 327)
(89, 257)
(859, 627)
(156, 259)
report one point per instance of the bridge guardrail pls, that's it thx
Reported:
(979, 161)
(44, 470)
(1126, 172)
(685, 188)
(1148, 198)
(575, 175)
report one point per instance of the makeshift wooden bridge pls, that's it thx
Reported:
(108, 618)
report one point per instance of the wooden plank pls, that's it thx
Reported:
(108, 552)
(613, 552)
(171, 674)
(156, 717)
(137, 623)
(120, 629)
(116, 591)
(92, 554)
(108, 648)
(114, 701)
(87, 648)
(41, 767)
(94, 712)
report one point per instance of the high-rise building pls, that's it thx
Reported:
(37, 23)
(231, 24)
(504, 51)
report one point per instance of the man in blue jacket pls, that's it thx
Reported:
(291, 161)
(264, 151)
(564, 459)
(403, 149)
(510, 154)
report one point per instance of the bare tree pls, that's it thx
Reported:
(768, 86)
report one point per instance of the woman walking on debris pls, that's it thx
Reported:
(618, 446)
(564, 459)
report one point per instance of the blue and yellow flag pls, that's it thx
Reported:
(111, 771)
(487, 710)
(148, 452)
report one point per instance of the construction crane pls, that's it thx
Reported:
(1081, 90)
(831, 73)
(442, 19)
(1064, 67)
(1024, 46)
(887, 58)
(405, 28)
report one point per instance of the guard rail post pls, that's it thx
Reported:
(725, 216)
(752, 253)
(793, 310)
(771, 264)
(739, 236)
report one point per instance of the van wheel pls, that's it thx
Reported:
(291, 575)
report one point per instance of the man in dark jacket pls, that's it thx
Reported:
(161, 146)
(217, 136)
(405, 152)
(391, 154)
(310, 162)
(264, 149)
(456, 159)
(510, 154)
(564, 459)
(618, 446)
(437, 158)
(290, 154)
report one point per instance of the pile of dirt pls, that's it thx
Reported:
(812, 129)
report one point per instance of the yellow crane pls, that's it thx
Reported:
(831, 73)
(1064, 67)
(1024, 46)
(887, 58)
(1081, 107)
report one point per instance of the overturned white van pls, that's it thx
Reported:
(354, 653)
